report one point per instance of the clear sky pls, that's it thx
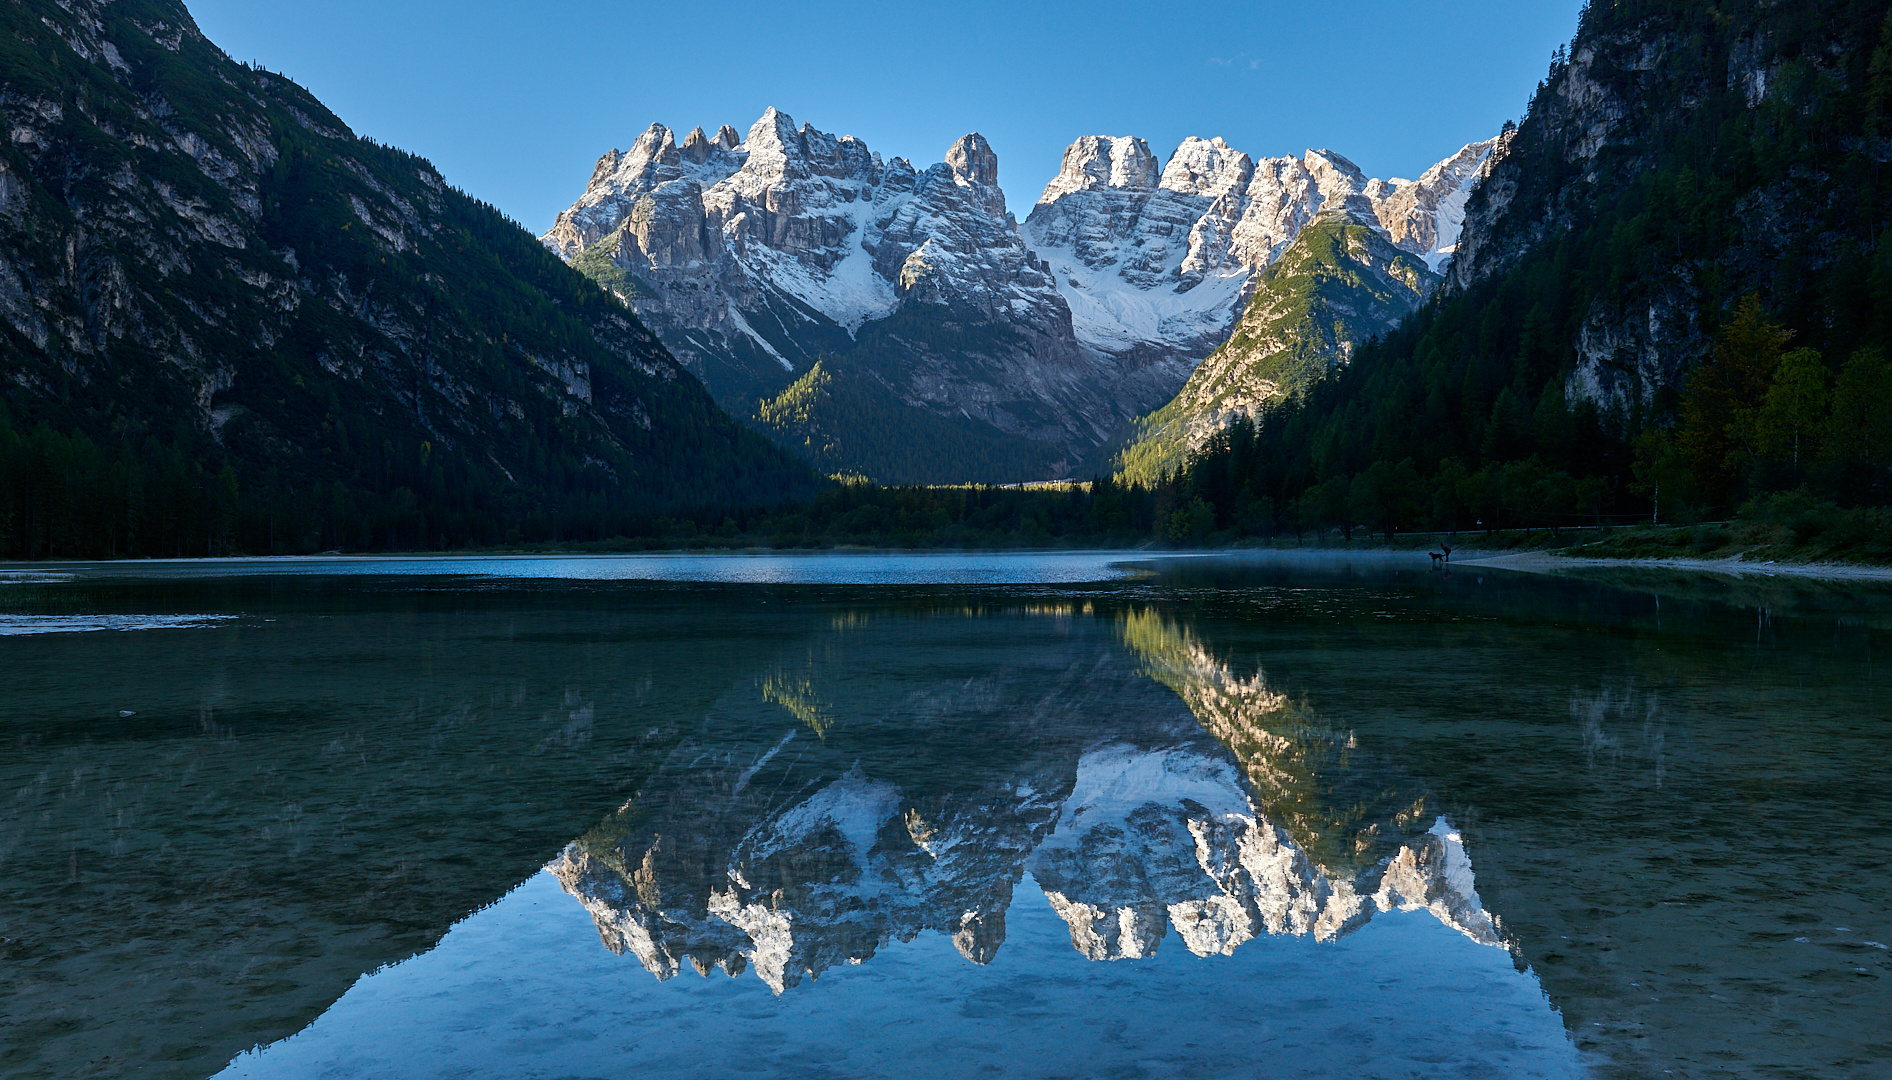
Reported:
(514, 101)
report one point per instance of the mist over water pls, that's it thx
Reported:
(1013, 815)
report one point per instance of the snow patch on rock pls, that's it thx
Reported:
(1167, 260)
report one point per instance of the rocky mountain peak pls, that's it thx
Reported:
(1334, 175)
(607, 164)
(1103, 161)
(973, 162)
(774, 145)
(621, 178)
(1207, 167)
(778, 149)
(657, 144)
(1424, 216)
(696, 146)
(774, 129)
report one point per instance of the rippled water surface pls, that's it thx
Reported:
(1075, 815)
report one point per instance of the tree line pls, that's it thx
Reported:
(65, 495)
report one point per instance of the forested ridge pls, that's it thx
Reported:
(845, 421)
(1335, 284)
(1673, 298)
(229, 325)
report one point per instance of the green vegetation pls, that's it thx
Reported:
(1459, 417)
(1793, 526)
(845, 422)
(1338, 284)
(1100, 514)
(596, 262)
(363, 357)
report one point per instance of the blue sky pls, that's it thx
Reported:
(515, 101)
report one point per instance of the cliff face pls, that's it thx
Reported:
(1681, 156)
(198, 253)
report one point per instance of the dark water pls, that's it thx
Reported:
(940, 816)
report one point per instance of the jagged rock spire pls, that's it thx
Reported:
(973, 161)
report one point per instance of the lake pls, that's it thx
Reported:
(1035, 815)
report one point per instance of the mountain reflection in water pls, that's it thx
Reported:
(871, 790)
(1018, 779)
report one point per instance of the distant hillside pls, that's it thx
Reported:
(1340, 282)
(848, 424)
(228, 324)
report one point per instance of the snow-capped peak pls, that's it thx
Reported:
(796, 210)
(1206, 167)
(1121, 163)
(1424, 215)
(1167, 261)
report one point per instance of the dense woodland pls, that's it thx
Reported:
(65, 497)
(1459, 416)
(303, 341)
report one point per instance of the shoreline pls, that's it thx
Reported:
(1546, 561)
(1530, 561)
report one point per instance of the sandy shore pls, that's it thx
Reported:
(1544, 562)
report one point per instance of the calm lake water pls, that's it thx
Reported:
(1071, 815)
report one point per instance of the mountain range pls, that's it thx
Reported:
(1353, 271)
(231, 325)
(901, 324)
